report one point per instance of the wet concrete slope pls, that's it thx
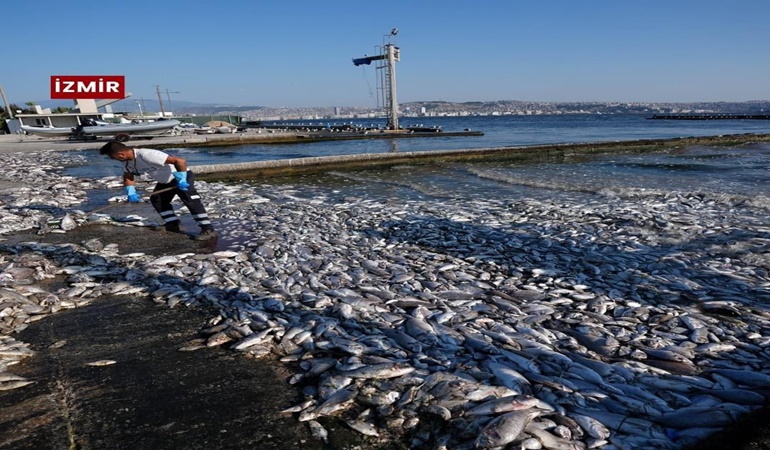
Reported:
(152, 397)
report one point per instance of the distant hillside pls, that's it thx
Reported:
(513, 106)
(501, 107)
(215, 109)
(435, 107)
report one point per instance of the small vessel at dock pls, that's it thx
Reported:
(91, 129)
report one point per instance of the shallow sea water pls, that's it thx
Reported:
(734, 175)
(742, 173)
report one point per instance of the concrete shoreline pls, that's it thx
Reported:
(521, 154)
(246, 170)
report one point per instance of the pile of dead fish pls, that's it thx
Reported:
(626, 322)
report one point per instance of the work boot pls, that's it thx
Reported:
(172, 227)
(206, 234)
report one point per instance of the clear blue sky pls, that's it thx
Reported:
(298, 53)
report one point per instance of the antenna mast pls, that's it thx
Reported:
(390, 55)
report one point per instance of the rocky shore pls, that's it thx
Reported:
(427, 325)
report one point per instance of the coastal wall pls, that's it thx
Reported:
(528, 154)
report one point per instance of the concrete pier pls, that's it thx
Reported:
(250, 136)
(248, 170)
(528, 154)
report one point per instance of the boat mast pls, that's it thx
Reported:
(160, 101)
(390, 54)
(7, 105)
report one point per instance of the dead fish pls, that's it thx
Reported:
(745, 377)
(10, 294)
(14, 384)
(300, 407)
(386, 370)
(68, 223)
(362, 427)
(739, 396)
(504, 404)
(592, 426)
(101, 362)
(699, 416)
(6, 377)
(58, 344)
(550, 441)
(504, 429)
(331, 404)
(318, 431)
(218, 339)
(193, 344)
(509, 377)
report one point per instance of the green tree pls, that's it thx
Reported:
(30, 109)
(14, 108)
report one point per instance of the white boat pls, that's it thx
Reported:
(91, 129)
(221, 127)
(48, 131)
(204, 130)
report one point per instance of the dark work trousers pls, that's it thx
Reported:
(190, 198)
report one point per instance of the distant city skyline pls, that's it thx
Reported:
(263, 53)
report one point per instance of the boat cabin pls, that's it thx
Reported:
(86, 109)
(62, 120)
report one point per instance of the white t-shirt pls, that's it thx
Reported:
(152, 162)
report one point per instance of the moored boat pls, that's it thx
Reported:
(90, 129)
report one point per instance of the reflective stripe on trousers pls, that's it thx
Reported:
(190, 198)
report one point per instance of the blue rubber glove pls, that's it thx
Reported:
(181, 180)
(133, 197)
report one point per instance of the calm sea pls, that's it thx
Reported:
(742, 171)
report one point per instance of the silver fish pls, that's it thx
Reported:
(502, 405)
(68, 223)
(504, 429)
(318, 431)
(380, 371)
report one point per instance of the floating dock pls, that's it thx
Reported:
(247, 137)
(253, 136)
(720, 116)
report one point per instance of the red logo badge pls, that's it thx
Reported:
(88, 86)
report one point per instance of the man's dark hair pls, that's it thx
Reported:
(112, 147)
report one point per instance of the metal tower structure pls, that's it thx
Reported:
(389, 54)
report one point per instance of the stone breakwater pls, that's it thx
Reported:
(629, 321)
